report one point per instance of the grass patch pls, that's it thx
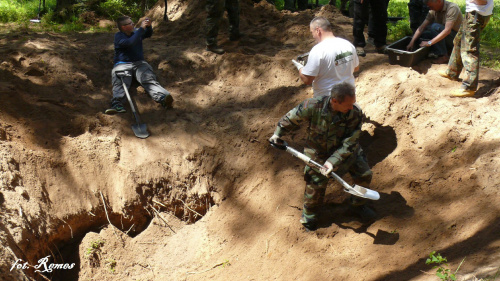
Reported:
(22, 10)
(82, 16)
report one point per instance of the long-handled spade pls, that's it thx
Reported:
(140, 129)
(355, 189)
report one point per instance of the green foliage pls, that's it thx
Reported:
(398, 30)
(226, 263)
(115, 8)
(280, 4)
(94, 247)
(112, 265)
(491, 33)
(442, 272)
(97, 29)
(23, 10)
(15, 11)
(398, 8)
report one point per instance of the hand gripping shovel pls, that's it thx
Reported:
(355, 189)
(140, 129)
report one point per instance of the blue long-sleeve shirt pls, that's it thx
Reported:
(129, 48)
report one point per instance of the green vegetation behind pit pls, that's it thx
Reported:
(83, 15)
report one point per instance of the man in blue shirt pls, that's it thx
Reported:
(129, 59)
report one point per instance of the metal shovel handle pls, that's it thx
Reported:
(137, 118)
(356, 190)
(140, 129)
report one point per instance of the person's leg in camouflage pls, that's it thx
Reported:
(470, 49)
(215, 10)
(313, 197)
(455, 64)
(465, 54)
(357, 166)
(233, 14)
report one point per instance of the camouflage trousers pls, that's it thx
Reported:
(465, 54)
(215, 10)
(316, 183)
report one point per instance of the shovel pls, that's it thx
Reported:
(140, 129)
(355, 189)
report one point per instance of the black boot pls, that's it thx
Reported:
(236, 36)
(366, 213)
(215, 49)
(359, 207)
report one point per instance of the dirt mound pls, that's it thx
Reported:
(205, 197)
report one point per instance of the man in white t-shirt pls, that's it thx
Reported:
(332, 61)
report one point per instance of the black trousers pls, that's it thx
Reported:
(290, 5)
(374, 11)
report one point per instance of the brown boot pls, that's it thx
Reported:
(462, 93)
(443, 73)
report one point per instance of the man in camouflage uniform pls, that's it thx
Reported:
(215, 10)
(465, 52)
(334, 124)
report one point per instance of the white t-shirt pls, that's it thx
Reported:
(332, 61)
(483, 10)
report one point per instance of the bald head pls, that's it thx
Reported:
(321, 22)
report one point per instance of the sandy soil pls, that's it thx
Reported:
(205, 197)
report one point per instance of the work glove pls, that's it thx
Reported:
(275, 139)
(297, 64)
(326, 169)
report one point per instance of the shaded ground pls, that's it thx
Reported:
(229, 203)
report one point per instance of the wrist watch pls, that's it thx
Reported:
(429, 43)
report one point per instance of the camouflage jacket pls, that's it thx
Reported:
(332, 135)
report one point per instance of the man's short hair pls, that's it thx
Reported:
(431, 1)
(322, 23)
(342, 90)
(119, 21)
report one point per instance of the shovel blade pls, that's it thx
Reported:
(140, 130)
(362, 192)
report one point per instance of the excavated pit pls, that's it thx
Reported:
(227, 205)
(58, 238)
